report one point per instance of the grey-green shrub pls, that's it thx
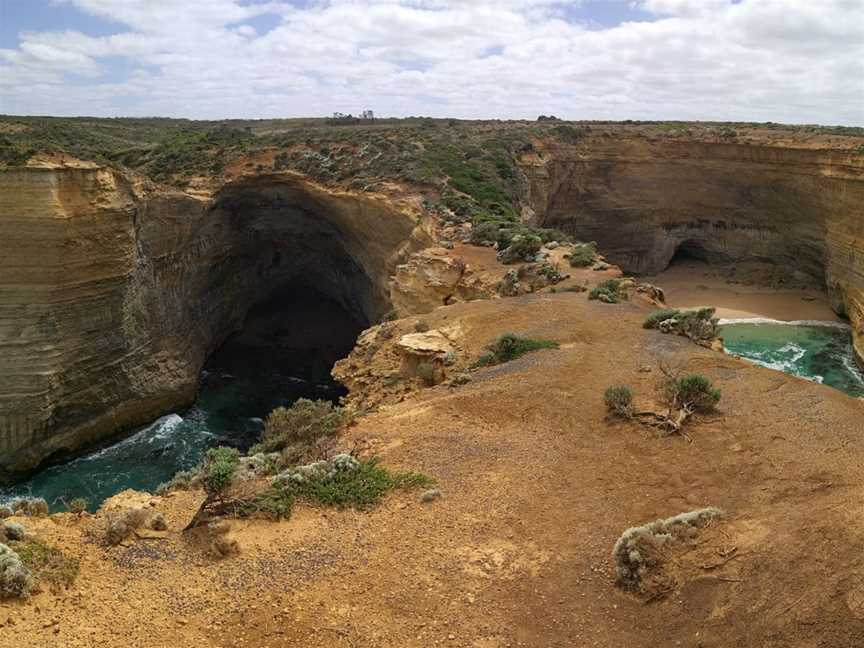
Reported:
(304, 421)
(122, 524)
(12, 531)
(607, 291)
(510, 346)
(654, 320)
(583, 254)
(15, 579)
(697, 392)
(633, 550)
(30, 506)
(77, 505)
(619, 400)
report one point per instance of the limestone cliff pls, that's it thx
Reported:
(644, 200)
(114, 292)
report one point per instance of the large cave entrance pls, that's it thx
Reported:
(306, 272)
(285, 350)
(240, 304)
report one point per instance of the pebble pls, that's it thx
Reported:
(430, 495)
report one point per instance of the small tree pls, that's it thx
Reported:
(217, 472)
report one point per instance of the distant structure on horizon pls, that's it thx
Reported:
(342, 118)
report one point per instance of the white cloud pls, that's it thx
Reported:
(779, 60)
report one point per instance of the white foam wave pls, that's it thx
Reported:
(158, 429)
(768, 320)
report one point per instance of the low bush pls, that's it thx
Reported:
(16, 581)
(583, 254)
(6, 512)
(522, 247)
(30, 506)
(304, 421)
(180, 481)
(342, 482)
(607, 291)
(77, 505)
(698, 324)
(654, 320)
(122, 524)
(218, 468)
(12, 531)
(640, 548)
(510, 346)
(619, 400)
(158, 522)
(46, 563)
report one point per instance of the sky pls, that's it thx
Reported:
(792, 61)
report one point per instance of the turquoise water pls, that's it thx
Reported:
(818, 352)
(238, 389)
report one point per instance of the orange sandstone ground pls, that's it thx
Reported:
(537, 487)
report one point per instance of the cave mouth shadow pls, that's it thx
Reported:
(284, 351)
(690, 253)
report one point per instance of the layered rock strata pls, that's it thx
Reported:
(644, 201)
(113, 293)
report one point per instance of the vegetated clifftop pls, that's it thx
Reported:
(113, 291)
(801, 210)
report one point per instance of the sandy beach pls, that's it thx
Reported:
(689, 284)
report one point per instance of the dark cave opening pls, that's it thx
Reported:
(690, 252)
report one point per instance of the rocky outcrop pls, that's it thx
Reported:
(113, 293)
(644, 201)
(433, 278)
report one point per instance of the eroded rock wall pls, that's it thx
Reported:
(112, 295)
(643, 200)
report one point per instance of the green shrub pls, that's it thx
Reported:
(341, 482)
(510, 346)
(696, 391)
(218, 468)
(619, 400)
(607, 291)
(47, 564)
(522, 247)
(484, 232)
(304, 422)
(77, 505)
(360, 488)
(582, 255)
(654, 320)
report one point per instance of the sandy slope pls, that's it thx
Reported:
(536, 489)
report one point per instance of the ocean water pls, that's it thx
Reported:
(817, 351)
(238, 389)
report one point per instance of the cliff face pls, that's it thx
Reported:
(113, 295)
(644, 201)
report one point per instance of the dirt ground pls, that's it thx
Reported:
(536, 488)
